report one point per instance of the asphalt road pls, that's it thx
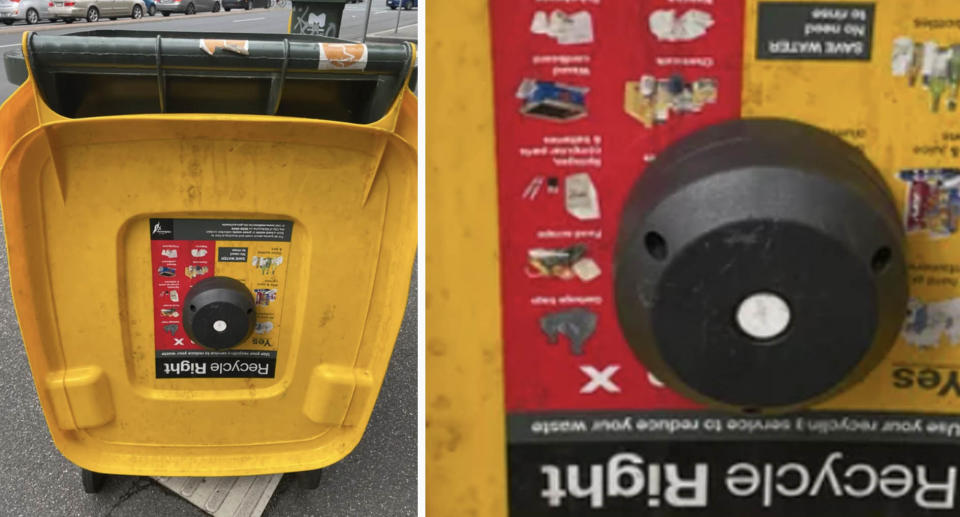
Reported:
(378, 479)
(383, 21)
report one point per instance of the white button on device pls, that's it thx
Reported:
(219, 325)
(763, 316)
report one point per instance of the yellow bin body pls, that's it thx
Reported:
(78, 196)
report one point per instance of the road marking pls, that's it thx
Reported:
(249, 20)
(391, 30)
(394, 13)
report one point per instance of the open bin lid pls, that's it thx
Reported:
(113, 129)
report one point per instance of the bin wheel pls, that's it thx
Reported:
(216, 7)
(152, 10)
(32, 16)
(92, 481)
(93, 15)
(165, 13)
(309, 479)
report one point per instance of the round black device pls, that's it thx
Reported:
(760, 266)
(219, 312)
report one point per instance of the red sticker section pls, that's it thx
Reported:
(587, 93)
(178, 265)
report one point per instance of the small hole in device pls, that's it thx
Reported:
(656, 245)
(193, 308)
(881, 259)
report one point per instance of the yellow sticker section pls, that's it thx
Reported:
(264, 274)
(900, 108)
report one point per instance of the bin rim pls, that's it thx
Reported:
(163, 54)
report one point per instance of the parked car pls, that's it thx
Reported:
(94, 10)
(244, 4)
(31, 11)
(406, 4)
(151, 6)
(168, 7)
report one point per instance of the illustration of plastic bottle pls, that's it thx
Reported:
(938, 85)
(954, 75)
(939, 80)
(916, 64)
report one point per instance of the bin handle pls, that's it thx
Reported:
(276, 84)
(161, 79)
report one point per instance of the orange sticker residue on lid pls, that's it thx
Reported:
(237, 46)
(342, 56)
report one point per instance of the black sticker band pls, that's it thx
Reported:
(220, 230)
(782, 479)
(815, 31)
(227, 254)
(204, 364)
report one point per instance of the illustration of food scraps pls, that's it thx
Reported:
(932, 65)
(553, 101)
(563, 263)
(932, 201)
(652, 100)
(927, 324)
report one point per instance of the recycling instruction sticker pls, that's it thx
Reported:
(186, 251)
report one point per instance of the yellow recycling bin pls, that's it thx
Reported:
(210, 243)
